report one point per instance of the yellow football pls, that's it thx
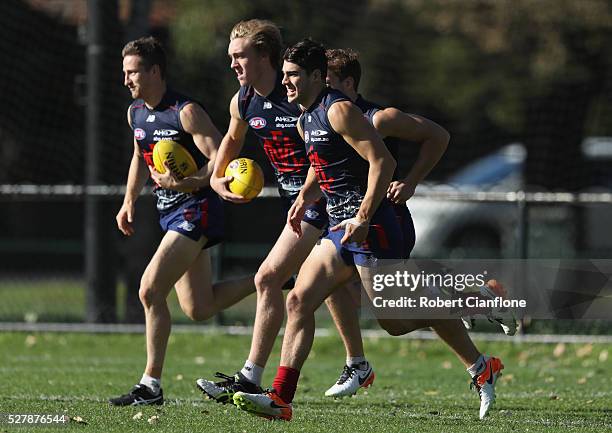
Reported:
(248, 178)
(179, 160)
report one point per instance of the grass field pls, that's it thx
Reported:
(419, 386)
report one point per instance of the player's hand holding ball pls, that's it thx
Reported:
(243, 181)
(172, 164)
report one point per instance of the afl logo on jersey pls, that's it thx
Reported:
(257, 122)
(139, 134)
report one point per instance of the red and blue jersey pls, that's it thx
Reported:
(159, 123)
(273, 120)
(341, 172)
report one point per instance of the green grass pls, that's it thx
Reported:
(420, 386)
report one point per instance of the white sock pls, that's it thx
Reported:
(478, 367)
(152, 383)
(252, 372)
(359, 361)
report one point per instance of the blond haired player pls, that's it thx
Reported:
(261, 105)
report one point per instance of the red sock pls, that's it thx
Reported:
(285, 383)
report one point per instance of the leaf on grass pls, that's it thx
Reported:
(30, 340)
(582, 380)
(447, 365)
(584, 350)
(559, 350)
(431, 392)
(603, 356)
(507, 378)
(78, 420)
(153, 419)
(199, 360)
(137, 416)
(179, 377)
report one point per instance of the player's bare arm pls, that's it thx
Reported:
(433, 139)
(228, 150)
(137, 178)
(348, 121)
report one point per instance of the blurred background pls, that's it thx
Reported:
(523, 86)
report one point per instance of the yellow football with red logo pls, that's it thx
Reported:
(179, 160)
(248, 178)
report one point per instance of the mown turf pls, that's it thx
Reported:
(420, 386)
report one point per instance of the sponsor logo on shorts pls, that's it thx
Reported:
(186, 225)
(311, 214)
(257, 122)
(139, 134)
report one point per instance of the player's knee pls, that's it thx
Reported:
(148, 295)
(267, 280)
(296, 304)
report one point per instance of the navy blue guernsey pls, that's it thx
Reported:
(369, 110)
(273, 120)
(164, 122)
(341, 172)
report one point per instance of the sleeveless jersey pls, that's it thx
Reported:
(163, 122)
(273, 120)
(341, 172)
(369, 110)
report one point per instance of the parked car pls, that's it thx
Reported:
(471, 229)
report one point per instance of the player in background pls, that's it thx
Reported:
(344, 74)
(261, 104)
(191, 213)
(354, 169)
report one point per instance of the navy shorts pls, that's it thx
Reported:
(385, 240)
(199, 216)
(407, 226)
(315, 215)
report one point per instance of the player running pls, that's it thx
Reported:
(354, 170)
(261, 104)
(193, 221)
(344, 74)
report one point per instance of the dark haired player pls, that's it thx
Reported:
(354, 169)
(344, 74)
(190, 212)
